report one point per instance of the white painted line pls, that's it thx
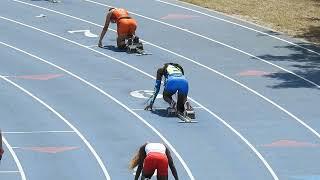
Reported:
(16, 147)
(132, 67)
(16, 159)
(36, 132)
(85, 32)
(41, 16)
(104, 93)
(243, 26)
(218, 42)
(65, 120)
(8, 172)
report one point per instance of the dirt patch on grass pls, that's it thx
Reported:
(298, 18)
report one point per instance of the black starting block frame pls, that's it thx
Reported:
(184, 118)
(134, 46)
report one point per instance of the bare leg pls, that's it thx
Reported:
(167, 96)
(181, 100)
(121, 43)
(144, 176)
(162, 177)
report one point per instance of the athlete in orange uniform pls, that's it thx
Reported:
(126, 26)
(151, 157)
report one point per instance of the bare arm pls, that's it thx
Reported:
(171, 165)
(105, 28)
(141, 159)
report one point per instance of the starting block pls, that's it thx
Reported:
(187, 116)
(134, 46)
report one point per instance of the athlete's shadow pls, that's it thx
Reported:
(113, 48)
(161, 112)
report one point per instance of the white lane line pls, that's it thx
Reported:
(112, 98)
(218, 42)
(106, 174)
(36, 132)
(16, 159)
(16, 147)
(8, 172)
(234, 23)
(132, 67)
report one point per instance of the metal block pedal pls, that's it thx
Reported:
(190, 114)
(171, 112)
(185, 119)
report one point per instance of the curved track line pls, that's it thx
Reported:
(132, 67)
(15, 157)
(234, 23)
(106, 174)
(218, 42)
(115, 100)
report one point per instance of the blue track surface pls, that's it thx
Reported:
(67, 113)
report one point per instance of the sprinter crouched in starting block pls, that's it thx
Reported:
(126, 26)
(175, 82)
(151, 157)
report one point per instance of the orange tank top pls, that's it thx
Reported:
(117, 14)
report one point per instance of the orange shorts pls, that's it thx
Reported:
(155, 161)
(126, 27)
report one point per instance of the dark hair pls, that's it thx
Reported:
(111, 8)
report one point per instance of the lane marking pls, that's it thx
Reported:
(132, 67)
(144, 94)
(49, 150)
(41, 16)
(178, 17)
(254, 73)
(41, 77)
(36, 132)
(218, 42)
(85, 32)
(16, 159)
(6, 172)
(290, 143)
(104, 93)
(66, 121)
(234, 23)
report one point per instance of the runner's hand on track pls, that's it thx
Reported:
(100, 44)
(148, 107)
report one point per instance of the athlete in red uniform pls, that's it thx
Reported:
(151, 157)
(126, 26)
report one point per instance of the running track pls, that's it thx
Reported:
(67, 112)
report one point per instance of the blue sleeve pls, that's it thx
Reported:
(156, 91)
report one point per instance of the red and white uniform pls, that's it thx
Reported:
(156, 159)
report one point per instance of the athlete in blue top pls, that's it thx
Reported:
(174, 81)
